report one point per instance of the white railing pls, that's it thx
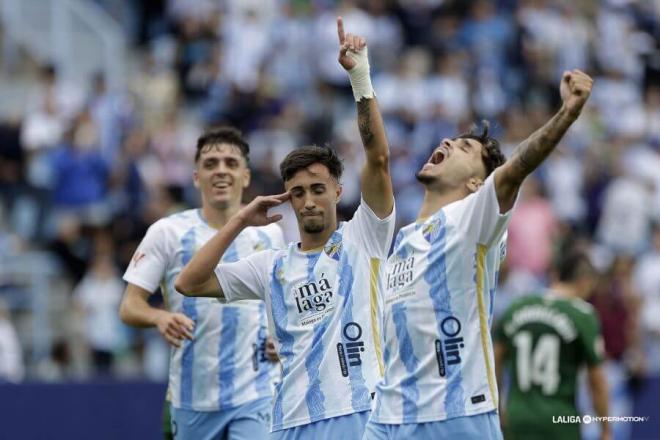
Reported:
(78, 36)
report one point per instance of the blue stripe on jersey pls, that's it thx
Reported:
(492, 298)
(436, 277)
(262, 383)
(265, 239)
(409, 388)
(190, 310)
(285, 338)
(314, 396)
(359, 393)
(226, 371)
(227, 342)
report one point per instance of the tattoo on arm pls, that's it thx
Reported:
(533, 150)
(364, 122)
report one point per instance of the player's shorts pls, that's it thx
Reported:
(348, 427)
(245, 422)
(481, 426)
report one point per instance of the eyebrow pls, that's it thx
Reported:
(313, 185)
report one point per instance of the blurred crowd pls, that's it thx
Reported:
(86, 169)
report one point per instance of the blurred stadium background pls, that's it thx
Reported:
(101, 102)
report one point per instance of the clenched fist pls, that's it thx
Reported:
(574, 90)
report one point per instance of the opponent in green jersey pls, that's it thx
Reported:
(544, 341)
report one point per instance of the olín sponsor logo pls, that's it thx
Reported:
(349, 353)
(448, 350)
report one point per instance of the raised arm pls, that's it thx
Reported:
(574, 89)
(376, 182)
(198, 278)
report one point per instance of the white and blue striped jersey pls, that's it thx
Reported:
(438, 305)
(225, 365)
(324, 313)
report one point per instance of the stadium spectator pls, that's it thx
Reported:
(97, 298)
(12, 368)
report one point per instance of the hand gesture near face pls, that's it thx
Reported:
(256, 212)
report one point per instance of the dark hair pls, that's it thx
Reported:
(572, 265)
(223, 135)
(302, 157)
(492, 156)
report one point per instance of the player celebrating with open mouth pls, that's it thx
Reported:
(440, 283)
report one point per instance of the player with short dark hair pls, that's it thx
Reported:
(322, 293)
(544, 341)
(301, 158)
(441, 279)
(220, 380)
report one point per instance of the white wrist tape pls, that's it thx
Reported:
(360, 75)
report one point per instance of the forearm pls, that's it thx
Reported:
(372, 130)
(530, 153)
(376, 183)
(200, 268)
(136, 312)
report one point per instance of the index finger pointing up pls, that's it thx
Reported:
(340, 30)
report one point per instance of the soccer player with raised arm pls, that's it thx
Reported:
(321, 293)
(441, 279)
(220, 380)
(544, 341)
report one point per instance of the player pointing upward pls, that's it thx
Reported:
(321, 293)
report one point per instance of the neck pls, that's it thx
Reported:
(564, 290)
(434, 200)
(217, 218)
(311, 241)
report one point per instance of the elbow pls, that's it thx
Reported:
(381, 160)
(123, 313)
(182, 287)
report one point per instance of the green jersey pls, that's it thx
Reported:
(547, 340)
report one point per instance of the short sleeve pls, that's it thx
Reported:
(481, 215)
(246, 278)
(276, 236)
(150, 260)
(371, 232)
(591, 340)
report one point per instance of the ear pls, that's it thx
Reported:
(196, 178)
(339, 191)
(474, 184)
(246, 177)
